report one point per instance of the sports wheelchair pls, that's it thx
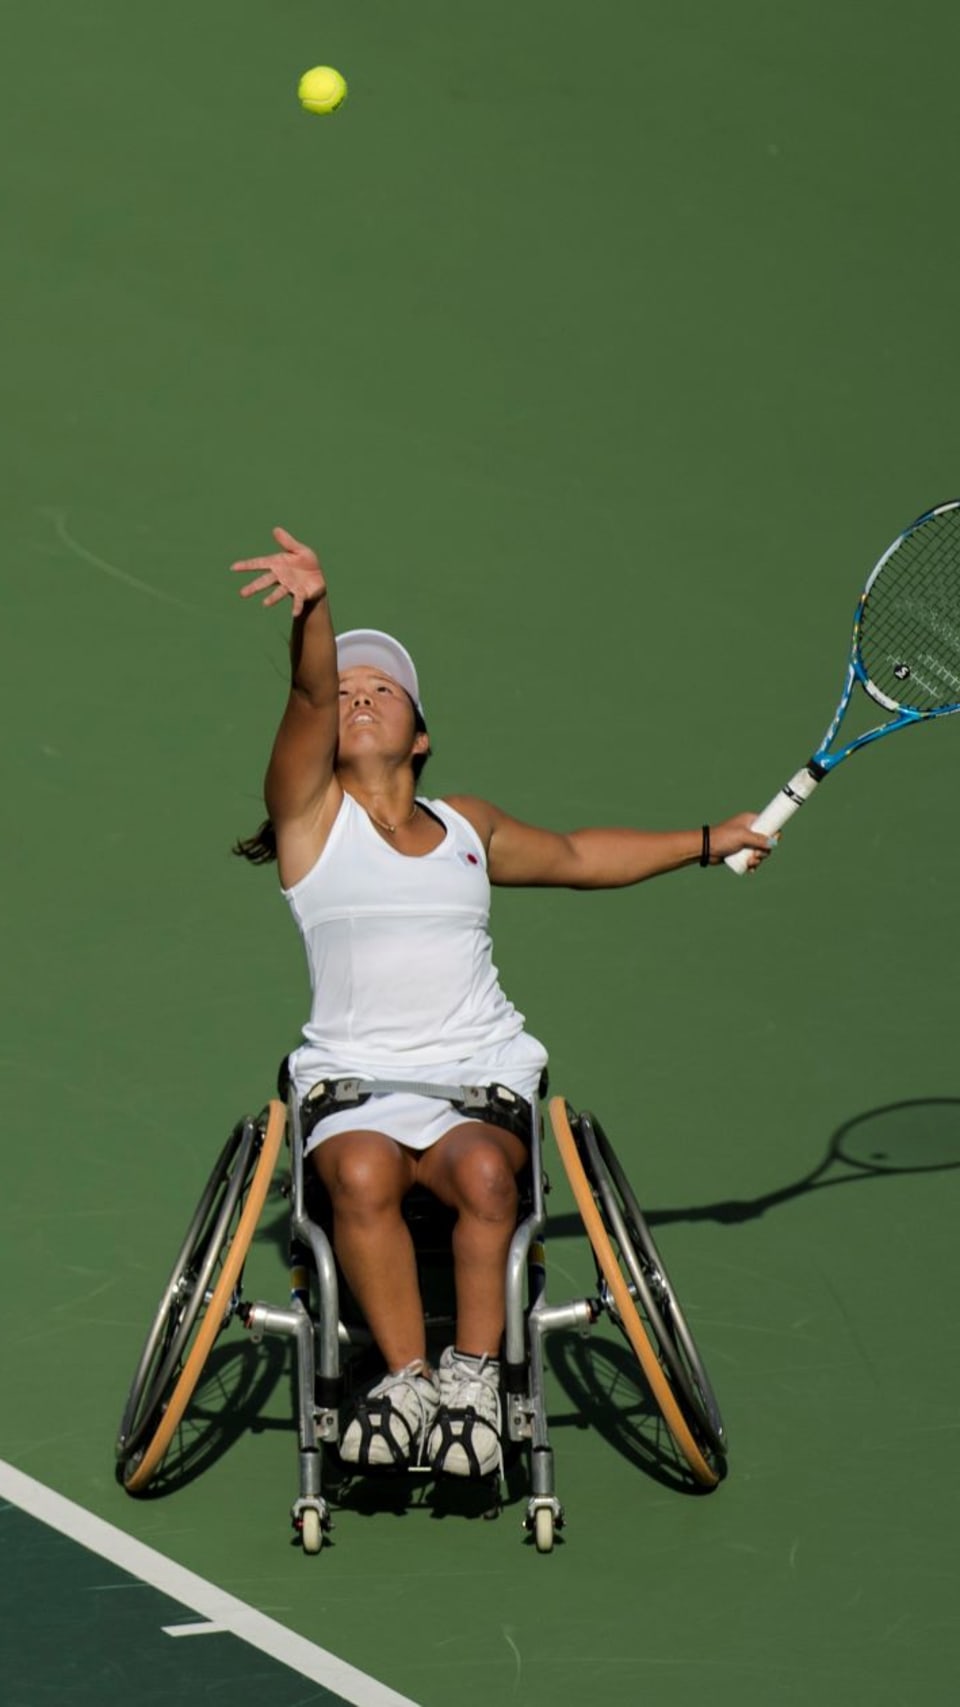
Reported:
(205, 1293)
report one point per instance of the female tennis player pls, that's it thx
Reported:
(390, 891)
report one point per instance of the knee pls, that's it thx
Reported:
(485, 1184)
(363, 1177)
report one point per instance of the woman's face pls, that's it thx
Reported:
(376, 715)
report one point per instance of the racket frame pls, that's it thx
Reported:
(798, 790)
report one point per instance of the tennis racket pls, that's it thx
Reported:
(905, 653)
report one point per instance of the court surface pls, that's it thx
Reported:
(129, 1619)
(600, 352)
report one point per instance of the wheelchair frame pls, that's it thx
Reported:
(205, 1292)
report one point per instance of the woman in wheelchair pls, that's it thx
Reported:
(390, 892)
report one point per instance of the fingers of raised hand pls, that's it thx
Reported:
(248, 565)
(260, 584)
(288, 541)
(303, 555)
(279, 593)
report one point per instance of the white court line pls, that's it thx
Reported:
(203, 1629)
(215, 1605)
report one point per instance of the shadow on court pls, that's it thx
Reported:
(600, 1378)
(229, 1400)
(914, 1137)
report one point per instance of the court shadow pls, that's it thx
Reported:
(237, 1382)
(918, 1136)
(601, 1379)
(397, 1493)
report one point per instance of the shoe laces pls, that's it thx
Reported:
(413, 1378)
(474, 1385)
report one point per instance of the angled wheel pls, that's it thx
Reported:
(199, 1298)
(661, 1306)
(636, 1292)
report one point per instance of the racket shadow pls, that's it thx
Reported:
(918, 1136)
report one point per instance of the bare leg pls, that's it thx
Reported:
(473, 1168)
(366, 1176)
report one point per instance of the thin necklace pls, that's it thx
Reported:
(392, 829)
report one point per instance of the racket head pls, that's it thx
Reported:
(906, 634)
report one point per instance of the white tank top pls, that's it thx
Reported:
(400, 957)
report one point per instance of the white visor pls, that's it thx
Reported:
(379, 652)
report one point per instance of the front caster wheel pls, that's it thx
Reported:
(543, 1530)
(311, 1531)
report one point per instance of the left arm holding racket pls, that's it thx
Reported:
(602, 858)
(905, 652)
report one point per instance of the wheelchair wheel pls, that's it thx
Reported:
(543, 1527)
(200, 1296)
(636, 1293)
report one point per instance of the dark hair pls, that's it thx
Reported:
(261, 847)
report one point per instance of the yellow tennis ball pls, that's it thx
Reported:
(322, 90)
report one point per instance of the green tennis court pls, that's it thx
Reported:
(600, 351)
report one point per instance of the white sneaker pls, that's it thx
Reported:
(391, 1422)
(465, 1439)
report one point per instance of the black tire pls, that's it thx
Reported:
(199, 1297)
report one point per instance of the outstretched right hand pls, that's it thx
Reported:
(293, 572)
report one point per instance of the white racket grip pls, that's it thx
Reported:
(780, 810)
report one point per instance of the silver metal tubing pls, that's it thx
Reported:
(537, 1423)
(296, 1155)
(541, 1475)
(272, 1319)
(515, 1337)
(310, 1481)
(328, 1334)
(528, 1230)
(546, 1318)
(293, 1323)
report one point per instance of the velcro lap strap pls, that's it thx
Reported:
(496, 1103)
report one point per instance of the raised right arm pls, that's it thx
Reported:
(301, 792)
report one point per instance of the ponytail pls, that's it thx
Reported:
(261, 848)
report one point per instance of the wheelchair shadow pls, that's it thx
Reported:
(237, 1382)
(396, 1493)
(600, 1378)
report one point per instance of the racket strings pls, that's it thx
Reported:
(909, 631)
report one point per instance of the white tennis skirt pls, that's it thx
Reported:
(418, 1121)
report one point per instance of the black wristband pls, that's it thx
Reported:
(705, 849)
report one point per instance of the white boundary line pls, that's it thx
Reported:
(185, 1586)
(203, 1629)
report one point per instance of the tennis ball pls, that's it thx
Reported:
(322, 89)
